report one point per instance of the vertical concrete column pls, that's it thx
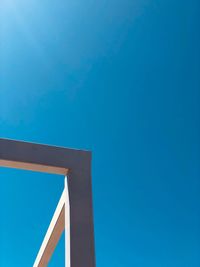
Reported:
(81, 216)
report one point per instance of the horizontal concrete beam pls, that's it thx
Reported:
(18, 154)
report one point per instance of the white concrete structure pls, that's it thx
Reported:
(60, 221)
(74, 212)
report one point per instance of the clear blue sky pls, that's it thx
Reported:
(120, 78)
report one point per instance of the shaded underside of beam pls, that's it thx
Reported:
(33, 167)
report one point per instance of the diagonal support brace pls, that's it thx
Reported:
(59, 223)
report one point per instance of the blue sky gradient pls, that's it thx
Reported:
(120, 78)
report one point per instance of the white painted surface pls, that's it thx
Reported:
(67, 226)
(57, 225)
(42, 254)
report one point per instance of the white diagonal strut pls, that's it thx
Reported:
(67, 226)
(59, 222)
